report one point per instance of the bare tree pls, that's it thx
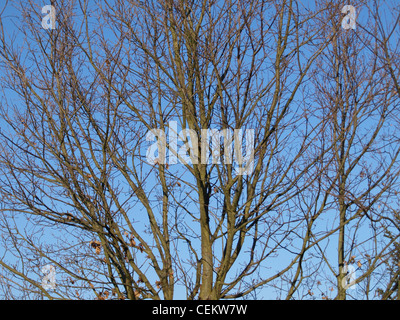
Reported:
(354, 193)
(85, 104)
(386, 34)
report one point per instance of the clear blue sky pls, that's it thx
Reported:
(272, 264)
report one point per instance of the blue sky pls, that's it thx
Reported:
(12, 18)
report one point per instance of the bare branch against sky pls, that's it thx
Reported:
(212, 149)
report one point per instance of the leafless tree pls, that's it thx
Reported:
(78, 190)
